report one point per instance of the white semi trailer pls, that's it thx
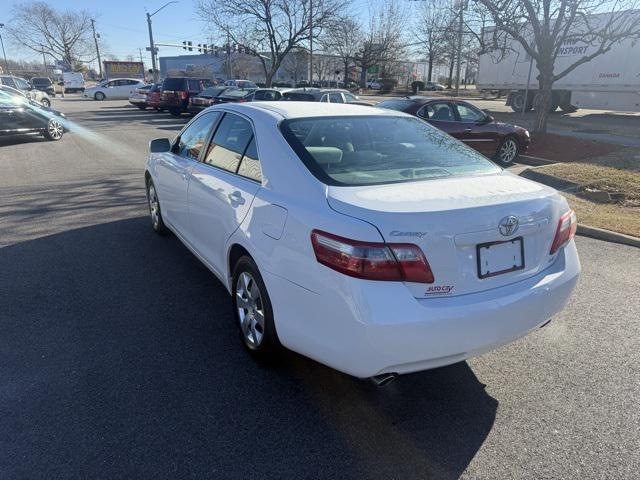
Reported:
(610, 81)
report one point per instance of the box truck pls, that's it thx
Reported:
(610, 81)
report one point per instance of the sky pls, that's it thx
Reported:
(122, 26)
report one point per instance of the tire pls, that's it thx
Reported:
(99, 96)
(507, 151)
(175, 112)
(45, 102)
(155, 212)
(142, 107)
(252, 311)
(517, 102)
(54, 130)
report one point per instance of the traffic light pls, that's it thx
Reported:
(189, 44)
(184, 45)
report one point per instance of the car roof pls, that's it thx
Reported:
(422, 99)
(290, 110)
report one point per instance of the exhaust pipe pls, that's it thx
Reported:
(383, 379)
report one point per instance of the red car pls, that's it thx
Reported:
(500, 141)
(154, 97)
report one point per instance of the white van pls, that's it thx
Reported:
(73, 82)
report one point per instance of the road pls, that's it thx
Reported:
(119, 357)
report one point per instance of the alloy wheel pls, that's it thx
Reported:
(154, 207)
(46, 103)
(508, 151)
(250, 310)
(55, 129)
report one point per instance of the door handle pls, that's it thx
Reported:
(236, 197)
(467, 129)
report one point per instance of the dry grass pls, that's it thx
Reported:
(613, 217)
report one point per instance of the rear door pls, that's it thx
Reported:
(174, 167)
(442, 115)
(477, 131)
(222, 188)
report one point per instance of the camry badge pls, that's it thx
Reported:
(508, 225)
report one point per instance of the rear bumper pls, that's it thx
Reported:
(137, 101)
(366, 328)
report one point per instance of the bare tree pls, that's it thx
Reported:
(343, 40)
(383, 41)
(295, 64)
(63, 34)
(269, 29)
(546, 28)
(432, 30)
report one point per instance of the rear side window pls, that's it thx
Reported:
(298, 97)
(192, 139)
(266, 95)
(194, 85)
(229, 143)
(371, 150)
(8, 81)
(250, 165)
(173, 84)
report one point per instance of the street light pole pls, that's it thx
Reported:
(152, 47)
(311, 43)
(6, 64)
(95, 39)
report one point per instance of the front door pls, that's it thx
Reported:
(222, 188)
(478, 131)
(174, 169)
(442, 115)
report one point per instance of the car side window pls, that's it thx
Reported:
(8, 81)
(336, 98)
(192, 139)
(21, 84)
(194, 85)
(250, 165)
(229, 143)
(439, 111)
(324, 98)
(350, 98)
(468, 113)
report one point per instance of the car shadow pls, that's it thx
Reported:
(20, 139)
(121, 359)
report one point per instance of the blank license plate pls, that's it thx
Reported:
(496, 258)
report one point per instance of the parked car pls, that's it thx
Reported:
(116, 89)
(235, 95)
(73, 82)
(138, 97)
(176, 92)
(25, 87)
(267, 94)
(404, 249)
(374, 84)
(331, 95)
(240, 84)
(205, 99)
(44, 84)
(497, 140)
(154, 97)
(20, 115)
(433, 86)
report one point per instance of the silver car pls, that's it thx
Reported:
(25, 87)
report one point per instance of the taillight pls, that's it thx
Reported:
(401, 262)
(567, 226)
(184, 95)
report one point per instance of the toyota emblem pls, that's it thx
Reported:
(508, 225)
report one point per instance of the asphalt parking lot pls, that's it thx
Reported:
(119, 357)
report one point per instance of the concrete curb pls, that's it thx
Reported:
(607, 235)
(534, 161)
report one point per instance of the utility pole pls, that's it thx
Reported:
(95, 39)
(6, 64)
(140, 51)
(459, 49)
(311, 43)
(152, 47)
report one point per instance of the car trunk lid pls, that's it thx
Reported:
(455, 221)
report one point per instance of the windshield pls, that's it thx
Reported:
(237, 93)
(212, 91)
(41, 81)
(370, 150)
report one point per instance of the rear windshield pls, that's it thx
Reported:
(298, 97)
(236, 93)
(371, 150)
(399, 105)
(173, 84)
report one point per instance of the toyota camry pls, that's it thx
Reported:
(363, 238)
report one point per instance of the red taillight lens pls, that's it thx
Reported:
(567, 226)
(400, 262)
(184, 95)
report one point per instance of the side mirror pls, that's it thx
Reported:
(159, 145)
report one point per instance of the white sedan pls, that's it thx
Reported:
(115, 89)
(360, 237)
